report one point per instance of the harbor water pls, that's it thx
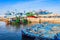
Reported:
(9, 32)
(14, 32)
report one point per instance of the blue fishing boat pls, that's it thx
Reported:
(38, 32)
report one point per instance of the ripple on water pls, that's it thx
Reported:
(9, 32)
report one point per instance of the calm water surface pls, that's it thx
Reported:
(9, 32)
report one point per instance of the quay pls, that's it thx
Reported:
(6, 20)
(35, 20)
(40, 20)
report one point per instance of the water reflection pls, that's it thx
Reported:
(11, 32)
(11, 27)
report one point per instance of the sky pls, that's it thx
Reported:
(29, 5)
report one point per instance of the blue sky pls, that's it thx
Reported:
(21, 5)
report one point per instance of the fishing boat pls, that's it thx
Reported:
(38, 32)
